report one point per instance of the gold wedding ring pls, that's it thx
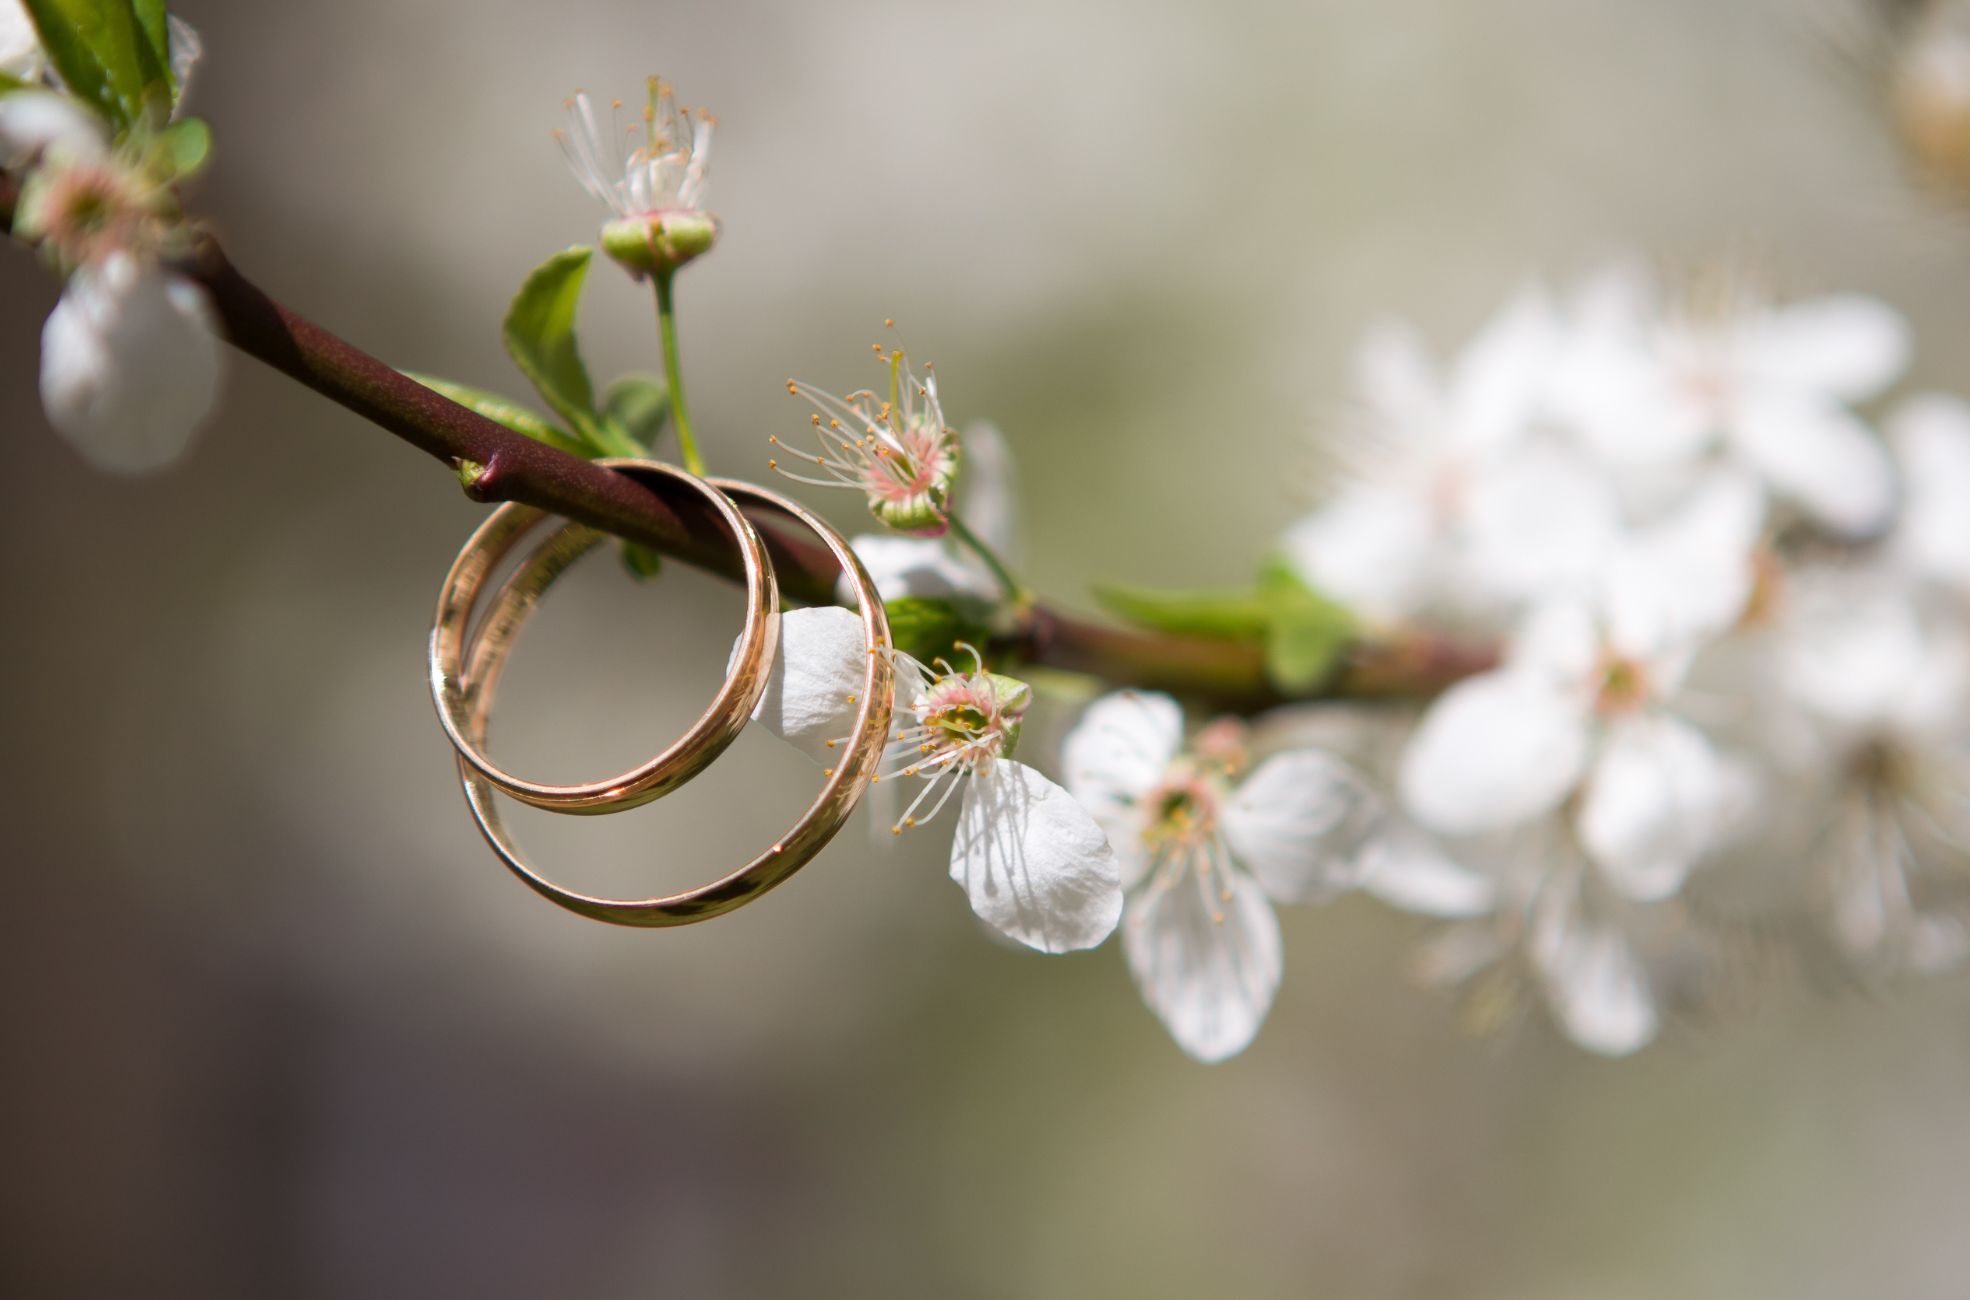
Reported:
(484, 654)
(695, 750)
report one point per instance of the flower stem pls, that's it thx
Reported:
(687, 441)
(1016, 592)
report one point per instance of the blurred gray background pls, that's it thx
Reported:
(277, 1024)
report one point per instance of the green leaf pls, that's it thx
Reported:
(540, 336)
(154, 47)
(10, 83)
(638, 405)
(502, 411)
(1201, 613)
(104, 54)
(926, 626)
(187, 145)
(1305, 634)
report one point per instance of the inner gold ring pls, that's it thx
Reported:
(842, 790)
(716, 728)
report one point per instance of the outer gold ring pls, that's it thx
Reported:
(716, 728)
(842, 790)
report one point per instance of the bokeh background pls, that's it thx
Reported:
(276, 1024)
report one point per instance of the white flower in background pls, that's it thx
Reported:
(1553, 931)
(1033, 861)
(649, 172)
(1930, 434)
(1657, 390)
(1888, 681)
(1205, 850)
(1580, 714)
(937, 567)
(895, 450)
(1385, 542)
(129, 361)
(20, 43)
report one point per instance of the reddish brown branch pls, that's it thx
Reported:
(512, 467)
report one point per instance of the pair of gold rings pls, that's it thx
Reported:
(469, 650)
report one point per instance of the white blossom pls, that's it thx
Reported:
(937, 567)
(1663, 391)
(896, 450)
(1206, 848)
(1032, 860)
(129, 361)
(647, 166)
(1392, 541)
(1887, 678)
(1581, 712)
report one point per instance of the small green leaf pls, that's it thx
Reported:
(1201, 613)
(11, 83)
(641, 561)
(504, 412)
(540, 336)
(638, 405)
(1302, 632)
(186, 145)
(1306, 632)
(103, 55)
(926, 627)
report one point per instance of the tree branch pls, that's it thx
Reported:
(1228, 673)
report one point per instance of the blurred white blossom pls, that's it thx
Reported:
(1740, 633)
(129, 357)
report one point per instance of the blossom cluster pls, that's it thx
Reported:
(1733, 689)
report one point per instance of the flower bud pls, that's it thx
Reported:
(658, 242)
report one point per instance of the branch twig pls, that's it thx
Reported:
(1228, 673)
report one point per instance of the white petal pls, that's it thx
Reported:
(1456, 953)
(816, 679)
(1654, 802)
(1850, 651)
(1372, 549)
(1498, 384)
(1394, 374)
(1689, 576)
(1597, 988)
(1493, 751)
(988, 495)
(1846, 346)
(1405, 869)
(1539, 524)
(918, 566)
(1558, 641)
(1118, 751)
(20, 43)
(1034, 862)
(34, 121)
(1298, 823)
(1207, 966)
(1931, 437)
(129, 364)
(1820, 455)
